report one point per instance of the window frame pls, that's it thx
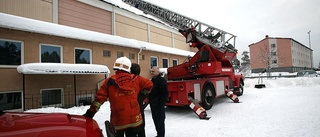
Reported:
(90, 55)
(167, 62)
(44, 44)
(157, 61)
(21, 97)
(141, 57)
(21, 54)
(122, 54)
(106, 55)
(56, 105)
(132, 56)
(175, 60)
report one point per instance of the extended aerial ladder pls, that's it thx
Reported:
(209, 70)
(214, 37)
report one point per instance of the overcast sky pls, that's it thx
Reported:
(252, 20)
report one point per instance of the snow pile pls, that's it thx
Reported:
(284, 82)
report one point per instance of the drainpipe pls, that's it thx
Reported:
(139, 54)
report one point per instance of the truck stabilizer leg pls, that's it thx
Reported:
(232, 96)
(200, 111)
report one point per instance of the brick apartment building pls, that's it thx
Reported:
(280, 54)
(75, 32)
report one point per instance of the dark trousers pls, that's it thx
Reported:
(142, 132)
(130, 132)
(158, 116)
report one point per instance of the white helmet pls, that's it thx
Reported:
(122, 63)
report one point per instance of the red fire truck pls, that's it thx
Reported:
(209, 73)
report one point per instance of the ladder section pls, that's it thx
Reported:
(214, 37)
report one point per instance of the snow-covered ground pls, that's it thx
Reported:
(287, 107)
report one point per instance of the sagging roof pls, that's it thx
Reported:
(42, 27)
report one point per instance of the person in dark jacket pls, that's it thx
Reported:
(135, 69)
(157, 98)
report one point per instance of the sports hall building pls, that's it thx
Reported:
(58, 52)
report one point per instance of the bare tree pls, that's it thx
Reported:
(269, 57)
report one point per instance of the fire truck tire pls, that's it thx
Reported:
(240, 92)
(207, 96)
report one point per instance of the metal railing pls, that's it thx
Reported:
(66, 100)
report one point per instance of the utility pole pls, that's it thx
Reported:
(310, 49)
(309, 38)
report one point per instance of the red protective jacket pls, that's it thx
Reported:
(122, 90)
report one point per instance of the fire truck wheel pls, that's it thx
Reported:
(207, 96)
(240, 92)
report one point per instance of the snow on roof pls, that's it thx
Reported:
(62, 68)
(31, 25)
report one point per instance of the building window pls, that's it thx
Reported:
(141, 57)
(174, 62)
(273, 45)
(119, 54)
(11, 100)
(165, 63)
(51, 97)
(153, 61)
(106, 53)
(11, 52)
(274, 53)
(50, 54)
(131, 55)
(82, 56)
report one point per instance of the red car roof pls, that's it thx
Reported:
(13, 124)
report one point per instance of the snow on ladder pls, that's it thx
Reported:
(214, 37)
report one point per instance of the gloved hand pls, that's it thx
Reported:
(89, 114)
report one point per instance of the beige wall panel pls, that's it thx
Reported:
(10, 80)
(88, 82)
(34, 9)
(79, 15)
(179, 37)
(160, 39)
(180, 43)
(160, 36)
(160, 31)
(130, 28)
(130, 22)
(135, 32)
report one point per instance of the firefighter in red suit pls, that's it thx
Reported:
(122, 90)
